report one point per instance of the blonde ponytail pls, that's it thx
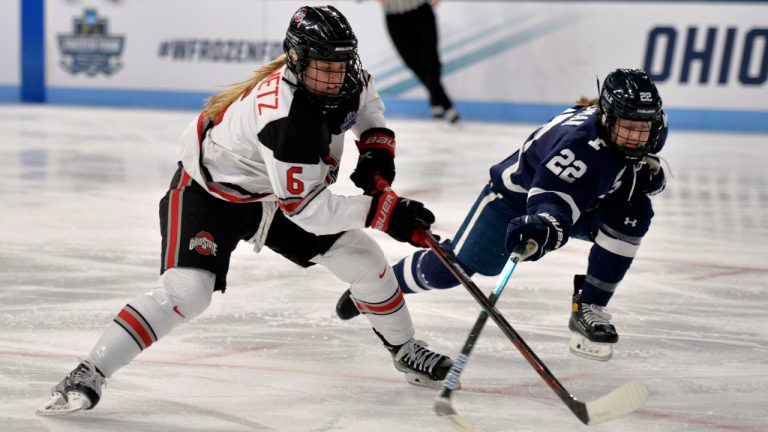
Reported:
(585, 102)
(216, 104)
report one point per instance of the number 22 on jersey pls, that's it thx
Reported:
(566, 166)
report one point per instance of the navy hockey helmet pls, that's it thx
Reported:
(630, 94)
(323, 33)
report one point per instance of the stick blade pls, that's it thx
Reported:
(617, 403)
(444, 409)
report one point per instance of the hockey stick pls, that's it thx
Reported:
(619, 402)
(443, 404)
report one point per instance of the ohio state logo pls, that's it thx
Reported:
(203, 243)
(300, 14)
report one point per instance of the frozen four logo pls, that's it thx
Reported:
(90, 49)
(203, 243)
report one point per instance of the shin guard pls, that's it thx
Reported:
(356, 259)
(182, 294)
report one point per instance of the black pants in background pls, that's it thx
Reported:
(414, 34)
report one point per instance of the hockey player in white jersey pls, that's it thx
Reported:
(588, 173)
(256, 165)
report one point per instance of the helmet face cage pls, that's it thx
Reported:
(630, 109)
(323, 34)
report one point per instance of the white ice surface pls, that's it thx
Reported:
(79, 226)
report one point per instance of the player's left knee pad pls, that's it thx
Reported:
(624, 225)
(186, 291)
(182, 293)
(631, 218)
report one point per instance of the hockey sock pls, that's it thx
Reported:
(356, 259)
(423, 271)
(114, 349)
(605, 272)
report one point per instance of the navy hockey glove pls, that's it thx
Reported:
(543, 229)
(377, 158)
(403, 219)
(650, 177)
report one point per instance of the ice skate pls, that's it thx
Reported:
(80, 390)
(452, 116)
(421, 366)
(582, 347)
(592, 332)
(345, 307)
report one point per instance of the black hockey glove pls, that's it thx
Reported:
(651, 179)
(403, 219)
(377, 158)
(543, 229)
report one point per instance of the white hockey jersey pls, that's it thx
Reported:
(274, 144)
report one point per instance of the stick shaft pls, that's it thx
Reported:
(452, 380)
(576, 406)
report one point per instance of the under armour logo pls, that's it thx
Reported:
(628, 221)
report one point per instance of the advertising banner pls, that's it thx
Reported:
(10, 66)
(703, 56)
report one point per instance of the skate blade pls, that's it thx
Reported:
(58, 405)
(583, 347)
(421, 381)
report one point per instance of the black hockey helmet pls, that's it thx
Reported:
(630, 94)
(323, 33)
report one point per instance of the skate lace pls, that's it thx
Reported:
(86, 374)
(416, 355)
(595, 315)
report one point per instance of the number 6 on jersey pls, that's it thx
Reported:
(295, 186)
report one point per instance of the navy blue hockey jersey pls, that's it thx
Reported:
(564, 167)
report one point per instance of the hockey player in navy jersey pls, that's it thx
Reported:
(587, 173)
(256, 165)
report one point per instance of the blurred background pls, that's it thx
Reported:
(509, 61)
(94, 93)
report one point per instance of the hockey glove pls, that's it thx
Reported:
(377, 158)
(650, 177)
(543, 229)
(403, 219)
